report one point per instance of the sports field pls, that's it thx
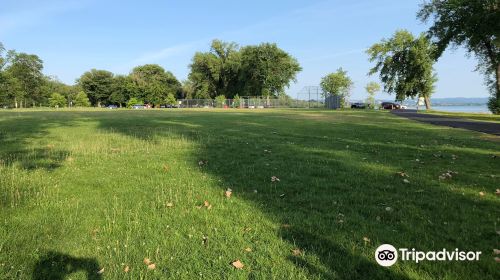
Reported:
(290, 194)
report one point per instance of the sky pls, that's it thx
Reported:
(72, 37)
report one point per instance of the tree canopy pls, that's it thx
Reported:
(97, 84)
(474, 25)
(405, 65)
(229, 70)
(153, 84)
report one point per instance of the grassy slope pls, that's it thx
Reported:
(90, 190)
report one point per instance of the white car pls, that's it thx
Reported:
(404, 107)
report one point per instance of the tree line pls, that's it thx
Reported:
(404, 64)
(226, 70)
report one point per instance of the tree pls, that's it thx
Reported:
(121, 90)
(372, 88)
(216, 72)
(153, 84)
(27, 70)
(263, 70)
(134, 101)
(98, 85)
(57, 100)
(170, 99)
(266, 70)
(220, 101)
(81, 100)
(473, 24)
(337, 83)
(405, 65)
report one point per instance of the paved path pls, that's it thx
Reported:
(486, 127)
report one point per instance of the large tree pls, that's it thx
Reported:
(337, 83)
(27, 70)
(262, 70)
(153, 84)
(216, 72)
(98, 85)
(474, 24)
(405, 65)
(266, 70)
(121, 90)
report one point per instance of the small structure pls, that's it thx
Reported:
(332, 102)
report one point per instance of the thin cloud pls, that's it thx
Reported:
(165, 53)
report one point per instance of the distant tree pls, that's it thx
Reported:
(405, 65)
(216, 72)
(266, 70)
(473, 24)
(220, 100)
(134, 101)
(170, 99)
(121, 91)
(81, 100)
(98, 85)
(27, 70)
(263, 70)
(57, 100)
(153, 84)
(337, 83)
(372, 88)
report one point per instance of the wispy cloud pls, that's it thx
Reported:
(165, 53)
(11, 21)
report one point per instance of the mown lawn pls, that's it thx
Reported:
(89, 191)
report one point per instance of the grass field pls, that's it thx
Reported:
(82, 192)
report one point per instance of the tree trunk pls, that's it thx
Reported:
(15, 101)
(427, 102)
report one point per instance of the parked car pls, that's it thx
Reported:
(138, 106)
(390, 105)
(112, 107)
(359, 105)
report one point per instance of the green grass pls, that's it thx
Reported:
(85, 190)
(470, 116)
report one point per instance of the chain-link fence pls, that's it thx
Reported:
(308, 97)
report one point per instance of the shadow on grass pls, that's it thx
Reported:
(58, 266)
(333, 198)
(17, 136)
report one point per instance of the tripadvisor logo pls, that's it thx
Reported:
(387, 255)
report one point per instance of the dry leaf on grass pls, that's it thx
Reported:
(228, 193)
(101, 271)
(406, 181)
(170, 204)
(296, 252)
(496, 251)
(497, 259)
(402, 174)
(147, 261)
(275, 179)
(248, 249)
(497, 192)
(481, 194)
(366, 240)
(166, 168)
(126, 269)
(237, 264)
(152, 266)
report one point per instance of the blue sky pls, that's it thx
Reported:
(72, 37)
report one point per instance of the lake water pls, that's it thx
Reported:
(464, 109)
